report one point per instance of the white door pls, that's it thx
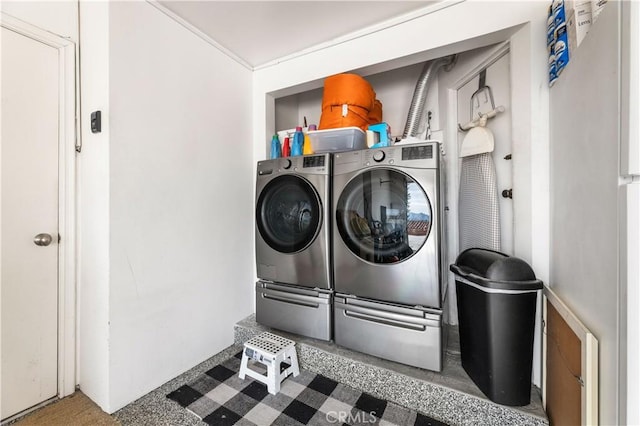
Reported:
(29, 206)
(497, 78)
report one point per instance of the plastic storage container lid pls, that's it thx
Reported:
(337, 140)
(495, 270)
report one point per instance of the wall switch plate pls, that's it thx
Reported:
(96, 122)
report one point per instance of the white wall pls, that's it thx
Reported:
(180, 199)
(165, 199)
(93, 207)
(584, 194)
(395, 90)
(58, 17)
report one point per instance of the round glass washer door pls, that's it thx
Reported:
(383, 216)
(288, 214)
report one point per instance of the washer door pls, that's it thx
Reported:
(288, 214)
(383, 216)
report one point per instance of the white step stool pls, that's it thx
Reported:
(270, 350)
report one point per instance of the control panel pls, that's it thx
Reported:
(314, 161)
(420, 152)
(308, 164)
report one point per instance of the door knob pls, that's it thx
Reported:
(42, 239)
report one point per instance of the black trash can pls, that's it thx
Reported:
(496, 314)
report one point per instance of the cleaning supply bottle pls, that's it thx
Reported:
(286, 148)
(307, 149)
(298, 142)
(275, 147)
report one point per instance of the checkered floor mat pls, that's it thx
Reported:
(219, 397)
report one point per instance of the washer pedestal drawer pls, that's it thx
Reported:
(297, 310)
(408, 335)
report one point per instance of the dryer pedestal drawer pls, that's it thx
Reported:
(403, 334)
(297, 310)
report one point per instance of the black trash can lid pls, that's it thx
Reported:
(492, 269)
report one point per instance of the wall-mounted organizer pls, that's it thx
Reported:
(568, 23)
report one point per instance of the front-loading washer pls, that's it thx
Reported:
(388, 252)
(292, 242)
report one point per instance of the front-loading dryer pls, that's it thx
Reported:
(292, 242)
(388, 252)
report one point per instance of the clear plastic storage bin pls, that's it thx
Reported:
(336, 140)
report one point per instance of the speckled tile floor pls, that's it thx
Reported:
(157, 410)
(449, 396)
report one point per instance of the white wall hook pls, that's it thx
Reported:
(481, 120)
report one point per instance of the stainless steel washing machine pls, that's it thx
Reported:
(388, 253)
(292, 245)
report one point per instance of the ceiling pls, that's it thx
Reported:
(259, 32)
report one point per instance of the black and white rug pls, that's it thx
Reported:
(219, 397)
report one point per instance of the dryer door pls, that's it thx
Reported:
(288, 214)
(384, 216)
